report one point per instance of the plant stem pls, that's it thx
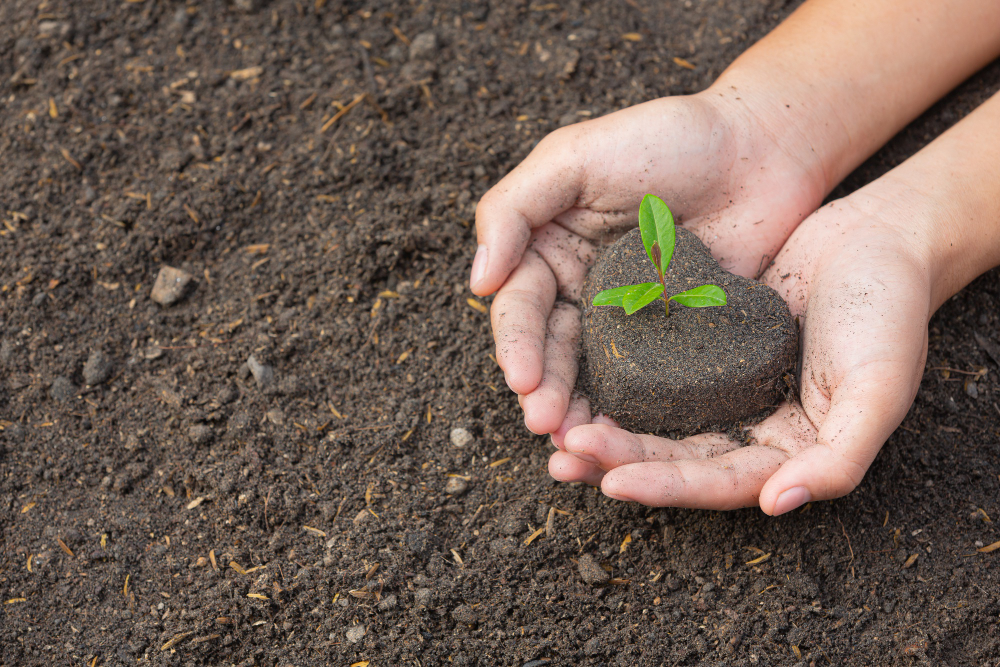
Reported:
(666, 299)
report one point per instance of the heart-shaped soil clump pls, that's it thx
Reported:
(698, 369)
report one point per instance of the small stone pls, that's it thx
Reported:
(423, 46)
(424, 597)
(456, 486)
(463, 613)
(170, 286)
(460, 437)
(276, 416)
(388, 603)
(951, 406)
(592, 647)
(39, 299)
(971, 389)
(200, 434)
(591, 571)
(356, 633)
(62, 389)
(262, 373)
(97, 369)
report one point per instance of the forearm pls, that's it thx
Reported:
(839, 78)
(955, 180)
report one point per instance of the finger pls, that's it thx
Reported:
(567, 468)
(864, 411)
(519, 316)
(545, 407)
(567, 254)
(611, 447)
(577, 413)
(545, 184)
(726, 482)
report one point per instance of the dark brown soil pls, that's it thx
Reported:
(127, 145)
(696, 370)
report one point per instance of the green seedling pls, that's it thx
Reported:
(656, 224)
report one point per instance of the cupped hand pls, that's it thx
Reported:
(727, 179)
(860, 284)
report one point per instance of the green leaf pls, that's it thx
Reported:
(640, 296)
(701, 297)
(656, 224)
(612, 297)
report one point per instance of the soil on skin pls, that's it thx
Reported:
(696, 370)
(184, 511)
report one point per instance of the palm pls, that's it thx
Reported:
(863, 302)
(581, 188)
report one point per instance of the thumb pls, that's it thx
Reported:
(545, 184)
(864, 411)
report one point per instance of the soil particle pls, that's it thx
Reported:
(97, 369)
(200, 434)
(420, 543)
(423, 597)
(355, 633)
(460, 437)
(263, 374)
(591, 571)
(171, 286)
(63, 389)
(698, 369)
(456, 486)
(465, 614)
(388, 603)
(423, 46)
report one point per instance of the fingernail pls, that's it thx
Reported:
(478, 266)
(584, 457)
(790, 499)
(618, 496)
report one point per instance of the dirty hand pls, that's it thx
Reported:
(731, 182)
(858, 278)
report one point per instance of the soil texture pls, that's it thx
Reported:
(696, 370)
(262, 472)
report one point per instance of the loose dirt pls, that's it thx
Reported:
(314, 167)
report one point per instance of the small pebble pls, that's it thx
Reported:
(355, 633)
(456, 486)
(972, 389)
(276, 416)
(97, 369)
(62, 389)
(262, 373)
(388, 603)
(170, 286)
(423, 46)
(460, 437)
(591, 571)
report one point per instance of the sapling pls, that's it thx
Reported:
(656, 224)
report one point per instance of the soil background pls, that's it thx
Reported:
(180, 514)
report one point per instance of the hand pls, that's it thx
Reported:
(860, 282)
(734, 184)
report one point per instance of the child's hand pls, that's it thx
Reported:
(730, 181)
(859, 279)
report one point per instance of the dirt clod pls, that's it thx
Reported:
(591, 571)
(263, 374)
(63, 389)
(97, 369)
(698, 369)
(456, 486)
(171, 286)
(460, 437)
(355, 633)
